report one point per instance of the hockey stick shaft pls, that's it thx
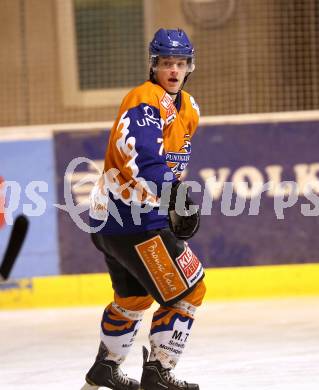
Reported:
(16, 240)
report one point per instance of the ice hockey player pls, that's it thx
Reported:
(141, 216)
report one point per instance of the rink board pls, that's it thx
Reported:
(222, 284)
(252, 149)
(254, 154)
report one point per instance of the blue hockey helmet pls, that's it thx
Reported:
(171, 43)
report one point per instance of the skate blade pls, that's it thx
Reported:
(89, 387)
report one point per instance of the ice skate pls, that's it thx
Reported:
(107, 373)
(156, 377)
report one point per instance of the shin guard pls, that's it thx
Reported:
(170, 330)
(119, 327)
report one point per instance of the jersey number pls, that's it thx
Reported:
(161, 149)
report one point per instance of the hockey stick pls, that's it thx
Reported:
(17, 237)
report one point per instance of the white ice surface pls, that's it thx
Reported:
(251, 345)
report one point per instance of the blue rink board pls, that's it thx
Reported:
(222, 241)
(23, 162)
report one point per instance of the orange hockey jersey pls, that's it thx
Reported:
(149, 144)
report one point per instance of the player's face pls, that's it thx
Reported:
(170, 73)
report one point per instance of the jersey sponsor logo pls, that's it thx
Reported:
(178, 160)
(190, 265)
(177, 157)
(161, 268)
(150, 118)
(168, 103)
(170, 118)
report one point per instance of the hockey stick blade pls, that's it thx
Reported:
(17, 237)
